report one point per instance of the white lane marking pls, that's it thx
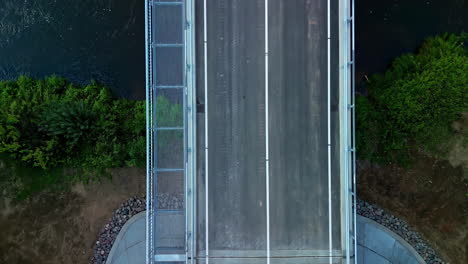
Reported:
(205, 46)
(267, 156)
(330, 242)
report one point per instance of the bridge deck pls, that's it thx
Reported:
(269, 185)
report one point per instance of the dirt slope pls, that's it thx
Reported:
(62, 228)
(430, 197)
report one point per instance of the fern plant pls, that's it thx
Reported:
(73, 121)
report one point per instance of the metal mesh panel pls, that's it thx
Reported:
(169, 65)
(169, 107)
(168, 24)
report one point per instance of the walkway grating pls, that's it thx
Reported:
(166, 27)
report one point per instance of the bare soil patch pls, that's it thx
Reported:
(62, 227)
(431, 197)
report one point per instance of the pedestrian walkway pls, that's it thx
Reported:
(129, 246)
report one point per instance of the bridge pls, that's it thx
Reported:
(250, 110)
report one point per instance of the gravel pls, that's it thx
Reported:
(401, 228)
(135, 205)
(126, 210)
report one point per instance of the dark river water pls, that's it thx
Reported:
(104, 39)
(77, 39)
(387, 28)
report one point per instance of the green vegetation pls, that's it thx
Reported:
(50, 125)
(412, 105)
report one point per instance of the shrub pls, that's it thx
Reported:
(413, 104)
(52, 123)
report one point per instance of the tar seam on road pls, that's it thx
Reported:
(267, 161)
(330, 245)
(205, 44)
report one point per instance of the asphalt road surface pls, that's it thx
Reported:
(298, 130)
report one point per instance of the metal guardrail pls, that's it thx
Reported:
(353, 128)
(347, 62)
(190, 186)
(149, 132)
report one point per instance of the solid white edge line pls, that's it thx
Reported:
(205, 55)
(267, 161)
(330, 242)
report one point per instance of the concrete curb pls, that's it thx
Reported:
(362, 239)
(361, 221)
(113, 253)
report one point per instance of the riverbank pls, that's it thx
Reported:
(62, 227)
